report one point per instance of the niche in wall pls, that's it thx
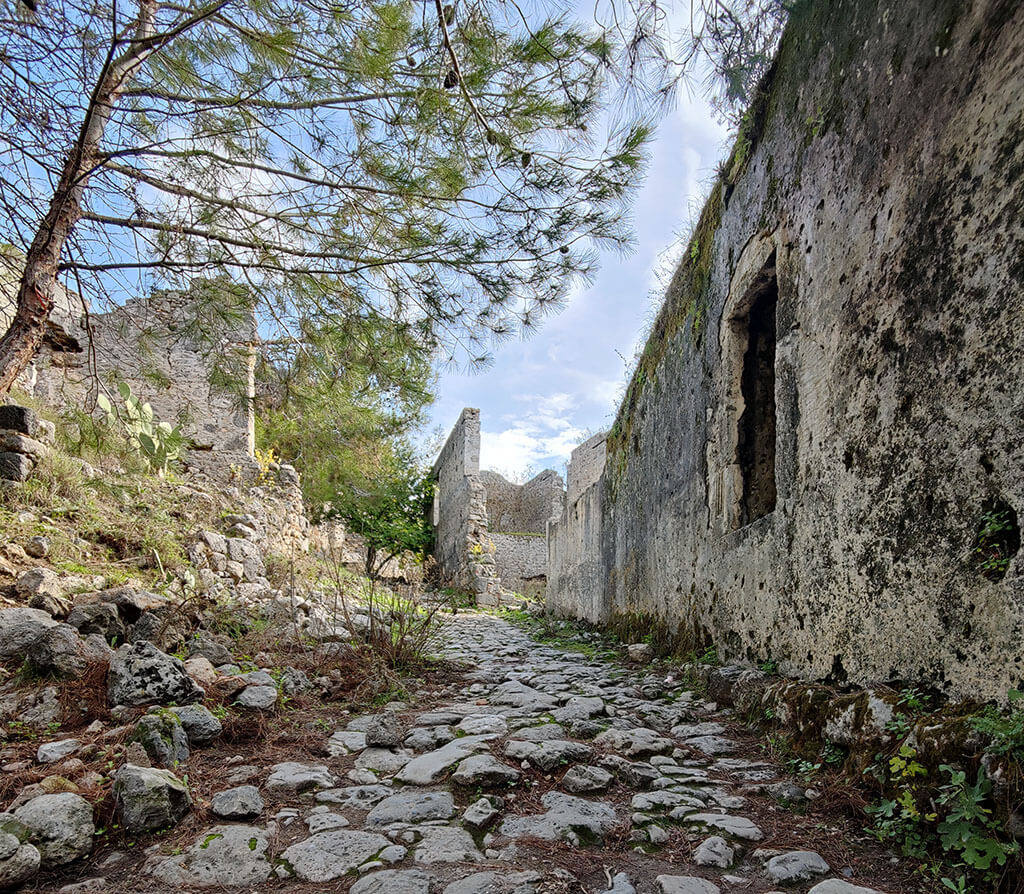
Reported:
(755, 438)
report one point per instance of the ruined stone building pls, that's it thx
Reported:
(820, 457)
(490, 534)
(195, 369)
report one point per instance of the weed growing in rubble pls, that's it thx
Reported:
(958, 820)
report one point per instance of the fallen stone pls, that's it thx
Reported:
(150, 799)
(257, 698)
(17, 418)
(60, 827)
(330, 855)
(15, 466)
(97, 617)
(423, 738)
(796, 866)
(44, 590)
(241, 802)
(480, 815)
(324, 822)
(18, 862)
(140, 674)
(412, 807)
(640, 652)
(224, 856)
(199, 724)
(394, 881)
(383, 731)
(297, 778)
(163, 737)
(209, 648)
(51, 752)
(20, 627)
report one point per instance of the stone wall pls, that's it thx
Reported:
(828, 408)
(476, 512)
(523, 508)
(463, 552)
(166, 349)
(576, 575)
(521, 562)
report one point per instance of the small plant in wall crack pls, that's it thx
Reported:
(996, 541)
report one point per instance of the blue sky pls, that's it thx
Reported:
(544, 395)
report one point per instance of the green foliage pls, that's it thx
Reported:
(968, 829)
(995, 542)
(955, 818)
(157, 442)
(390, 511)
(341, 159)
(339, 402)
(1005, 730)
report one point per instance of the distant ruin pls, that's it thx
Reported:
(490, 533)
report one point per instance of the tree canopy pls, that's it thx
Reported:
(442, 165)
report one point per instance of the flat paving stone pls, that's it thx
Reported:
(497, 883)
(737, 826)
(330, 855)
(446, 844)
(295, 777)
(412, 807)
(486, 771)
(223, 856)
(568, 818)
(394, 881)
(426, 769)
(685, 884)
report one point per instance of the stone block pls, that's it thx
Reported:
(19, 419)
(15, 466)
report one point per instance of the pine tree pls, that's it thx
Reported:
(434, 165)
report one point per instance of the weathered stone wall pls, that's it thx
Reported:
(829, 405)
(474, 512)
(166, 350)
(576, 575)
(463, 552)
(521, 561)
(523, 508)
(586, 463)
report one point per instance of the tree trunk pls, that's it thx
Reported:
(39, 278)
